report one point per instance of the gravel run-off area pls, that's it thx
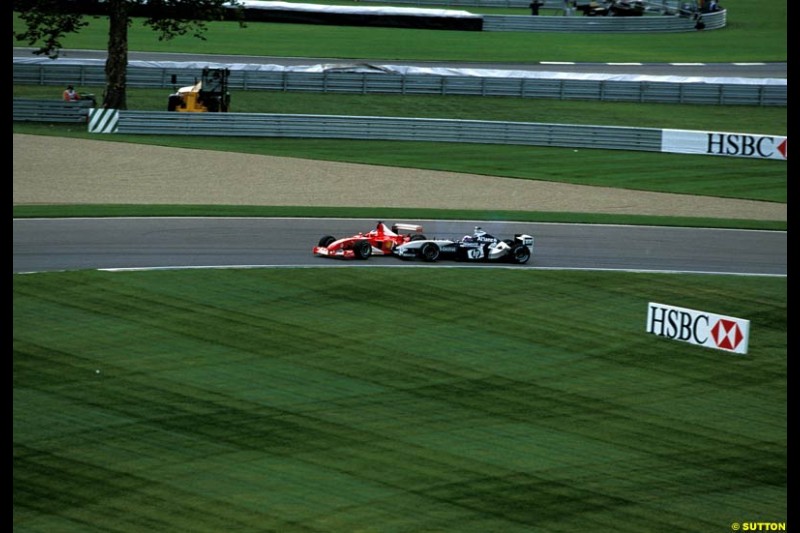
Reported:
(58, 170)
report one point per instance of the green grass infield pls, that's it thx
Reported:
(392, 400)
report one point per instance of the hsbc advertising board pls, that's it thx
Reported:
(724, 144)
(721, 332)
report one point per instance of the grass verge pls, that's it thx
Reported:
(392, 400)
(70, 211)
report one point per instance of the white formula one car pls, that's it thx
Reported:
(480, 246)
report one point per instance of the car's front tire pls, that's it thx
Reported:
(326, 241)
(417, 237)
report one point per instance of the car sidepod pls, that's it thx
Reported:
(429, 250)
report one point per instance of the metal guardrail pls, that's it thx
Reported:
(548, 4)
(388, 128)
(422, 84)
(580, 24)
(352, 127)
(558, 5)
(31, 110)
(681, 16)
(111, 121)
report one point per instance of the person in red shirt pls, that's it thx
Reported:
(70, 95)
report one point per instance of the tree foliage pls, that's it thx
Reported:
(47, 22)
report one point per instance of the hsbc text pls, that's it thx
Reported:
(740, 145)
(680, 325)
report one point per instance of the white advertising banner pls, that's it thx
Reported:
(725, 144)
(721, 332)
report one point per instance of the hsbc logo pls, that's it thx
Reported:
(764, 147)
(697, 327)
(725, 144)
(727, 334)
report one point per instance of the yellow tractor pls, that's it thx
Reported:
(209, 94)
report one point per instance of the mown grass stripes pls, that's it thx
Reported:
(391, 400)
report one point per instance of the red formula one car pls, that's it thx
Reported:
(380, 241)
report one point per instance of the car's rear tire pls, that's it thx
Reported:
(362, 249)
(520, 254)
(326, 241)
(418, 237)
(429, 252)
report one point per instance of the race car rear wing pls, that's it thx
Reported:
(406, 227)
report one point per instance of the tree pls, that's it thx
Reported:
(48, 21)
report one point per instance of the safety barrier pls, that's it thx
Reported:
(448, 130)
(580, 24)
(643, 90)
(678, 16)
(31, 110)
(387, 128)
(437, 130)
(558, 5)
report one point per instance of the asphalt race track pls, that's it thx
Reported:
(69, 244)
(728, 70)
(42, 245)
